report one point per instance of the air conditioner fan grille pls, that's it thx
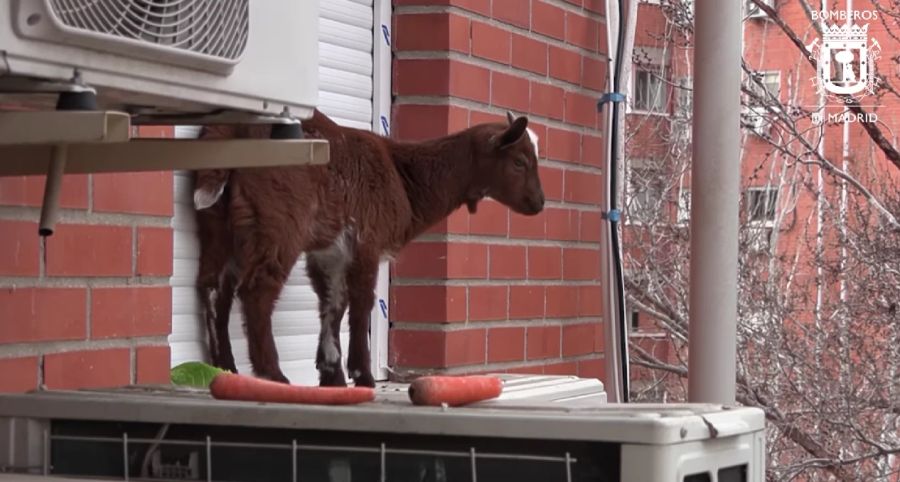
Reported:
(216, 28)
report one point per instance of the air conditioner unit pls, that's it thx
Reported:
(542, 428)
(164, 57)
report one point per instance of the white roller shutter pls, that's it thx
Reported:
(346, 95)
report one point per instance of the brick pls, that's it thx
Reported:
(590, 226)
(526, 302)
(564, 368)
(458, 221)
(20, 375)
(458, 118)
(581, 264)
(89, 250)
(469, 81)
(547, 101)
(592, 369)
(491, 43)
(19, 248)
(581, 110)
(562, 301)
(529, 54)
(581, 31)
(156, 132)
(578, 339)
(564, 145)
(599, 341)
(488, 303)
(29, 191)
(42, 314)
(562, 224)
(544, 262)
(565, 65)
(506, 344)
(422, 260)
(509, 91)
(583, 187)
(507, 262)
(542, 342)
(428, 304)
(596, 6)
(531, 227)
(431, 31)
(417, 349)
(590, 301)
(513, 12)
(134, 192)
(548, 20)
(478, 117)
(88, 369)
(592, 150)
(477, 6)
(593, 74)
(551, 182)
(130, 312)
(422, 77)
(154, 252)
(152, 365)
(466, 260)
(466, 347)
(420, 122)
(492, 219)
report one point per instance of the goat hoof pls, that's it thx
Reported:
(333, 378)
(364, 380)
(276, 377)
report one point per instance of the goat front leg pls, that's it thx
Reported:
(361, 287)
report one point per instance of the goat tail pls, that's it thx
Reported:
(209, 186)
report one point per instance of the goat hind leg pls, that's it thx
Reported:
(258, 302)
(215, 285)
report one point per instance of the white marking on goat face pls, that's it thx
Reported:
(534, 140)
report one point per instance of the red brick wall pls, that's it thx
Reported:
(90, 306)
(497, 291)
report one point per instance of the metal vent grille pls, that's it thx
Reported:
(216, 28)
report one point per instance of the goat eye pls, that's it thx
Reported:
(519, 161)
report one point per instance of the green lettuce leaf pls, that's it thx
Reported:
(194, 374)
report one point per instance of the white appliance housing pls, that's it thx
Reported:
(169, 56)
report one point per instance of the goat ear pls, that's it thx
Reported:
(513, 133)
(510, 117)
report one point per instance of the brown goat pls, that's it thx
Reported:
(368, 202)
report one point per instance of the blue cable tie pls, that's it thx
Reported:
(610, 97)
(613, 215)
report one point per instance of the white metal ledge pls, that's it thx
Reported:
(163, 155)
(63, 127)
(55, 143)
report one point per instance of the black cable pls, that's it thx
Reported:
(614, 219)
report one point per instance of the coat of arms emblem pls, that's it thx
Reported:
(846, 61)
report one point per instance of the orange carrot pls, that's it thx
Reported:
(454, 391)
(231, 386)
